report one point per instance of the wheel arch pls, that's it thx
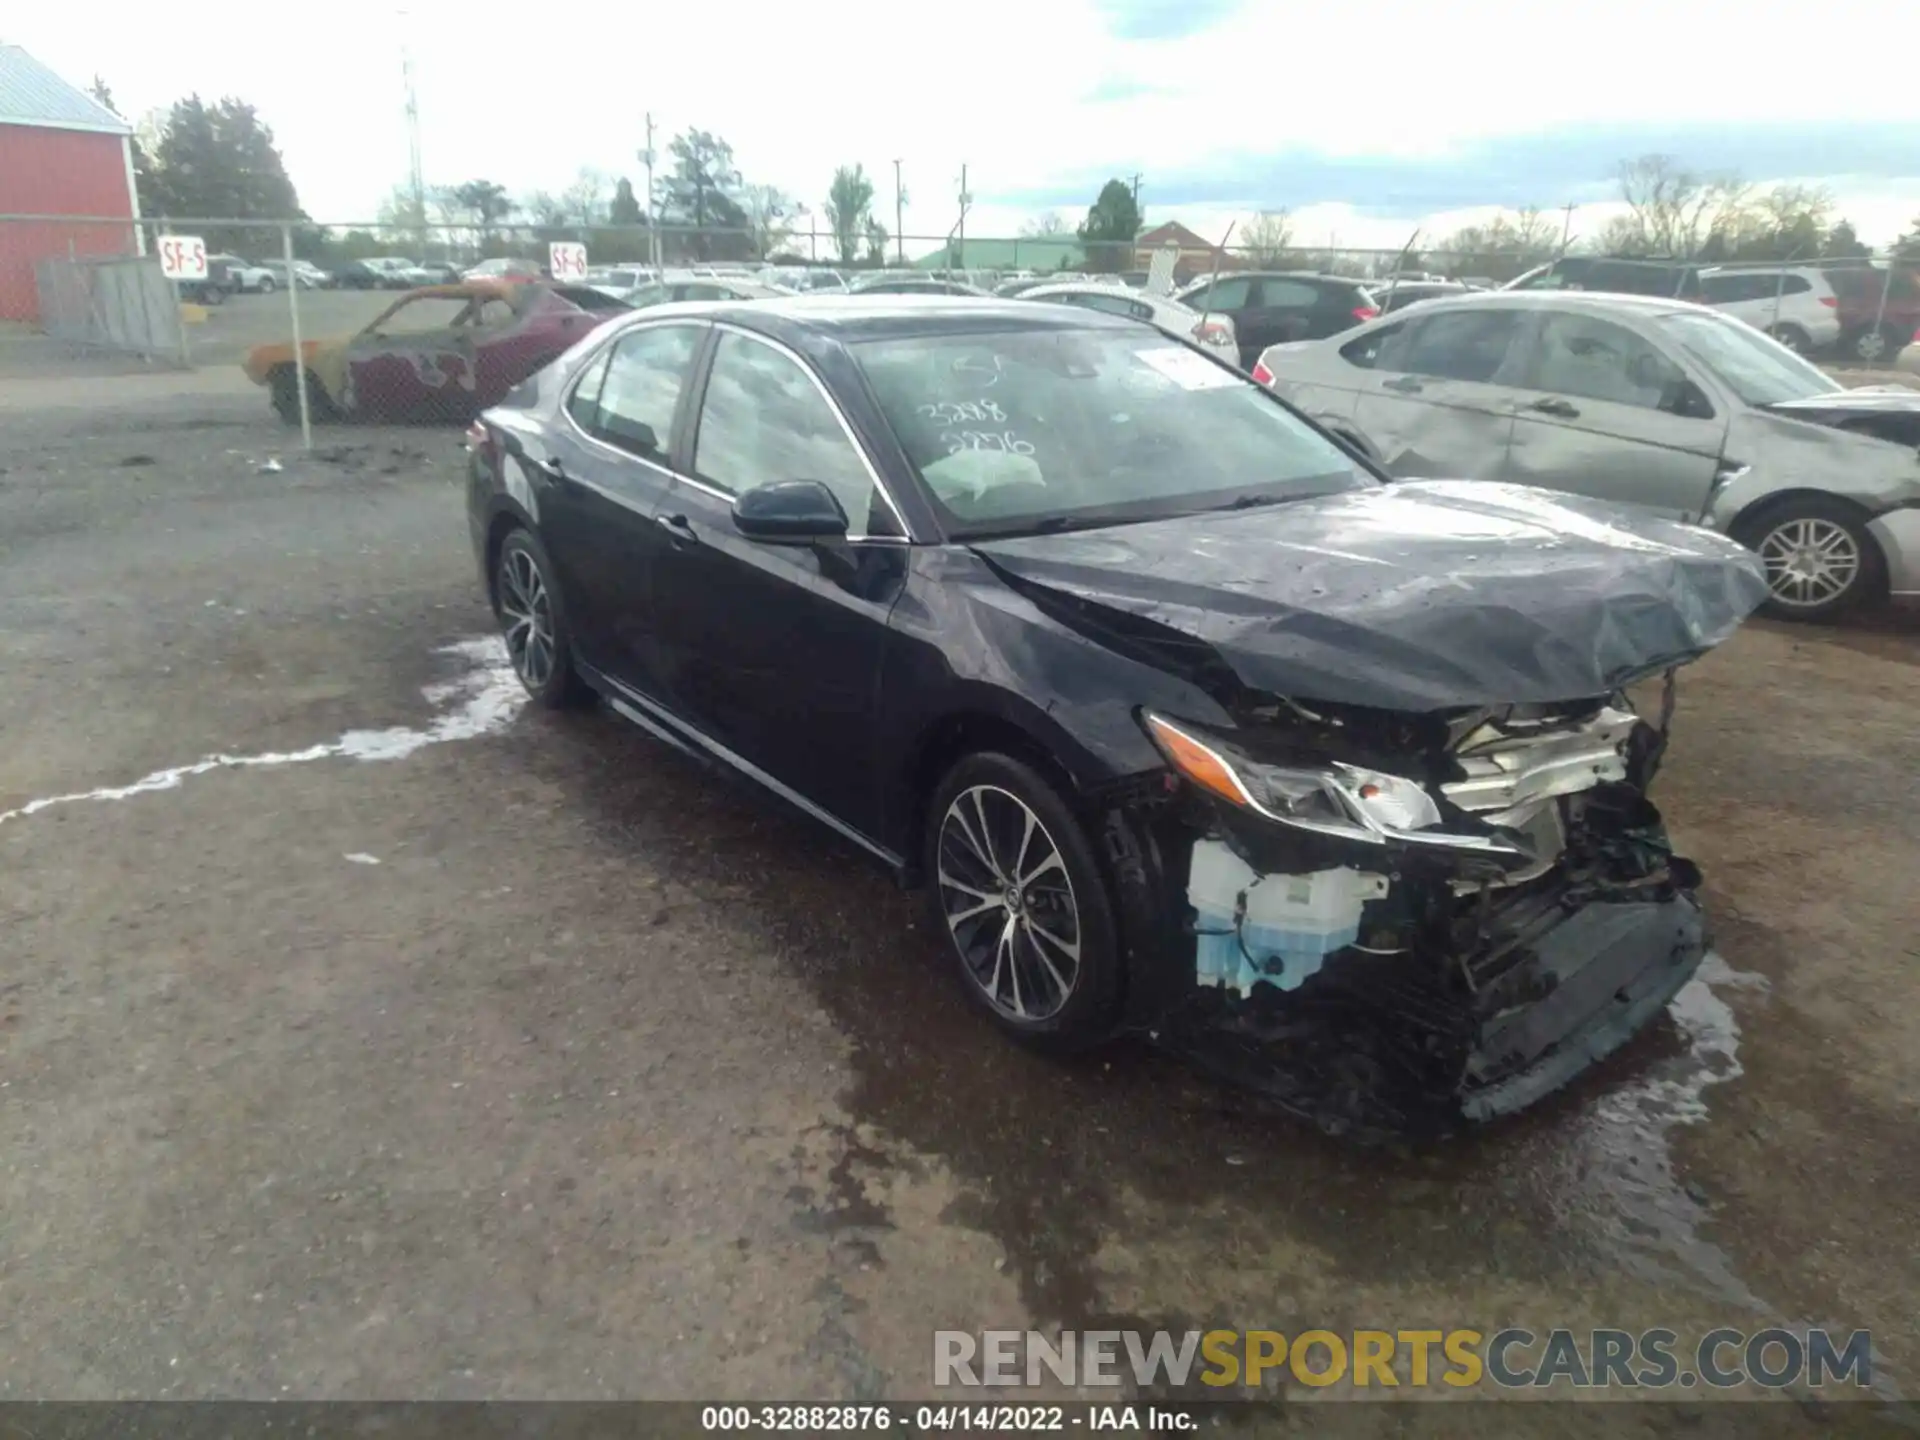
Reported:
(506, 517)
(1747, 521)
(979, 724)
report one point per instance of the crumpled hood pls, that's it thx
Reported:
(1419, 595)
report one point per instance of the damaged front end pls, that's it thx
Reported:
(1396, 922)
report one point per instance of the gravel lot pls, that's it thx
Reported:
(501, 1054)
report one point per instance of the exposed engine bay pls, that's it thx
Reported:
(1453, 919)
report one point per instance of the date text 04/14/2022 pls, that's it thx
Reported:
(934, 1419)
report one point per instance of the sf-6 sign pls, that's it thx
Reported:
(183, 257)
(567, 260)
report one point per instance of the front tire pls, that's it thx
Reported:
(534, 623)
(286, 398)
(1821, 562)
(1019, 897)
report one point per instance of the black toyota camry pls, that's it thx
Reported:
(1188, 721)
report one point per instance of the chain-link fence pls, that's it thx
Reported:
(433, 323)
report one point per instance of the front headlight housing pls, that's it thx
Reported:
(1333, 798)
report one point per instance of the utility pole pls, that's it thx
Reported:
(960, 250)
(416, 176)
(1136, 191)
(899, 202)
(1566, 228)
(653, 214)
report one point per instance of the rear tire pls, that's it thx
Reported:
(533, 622)
(1875, 346)
(1821, 561)
(1021, 904)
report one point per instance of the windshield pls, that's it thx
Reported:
(1039, 429)
(1759, 370)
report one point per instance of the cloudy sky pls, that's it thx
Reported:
(1364, 119)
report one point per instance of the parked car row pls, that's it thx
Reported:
(1663, 404)
(1187, 718)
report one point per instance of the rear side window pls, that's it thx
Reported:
(640, 389)
(1288, 295)
(1230, 294)
(1470, 345)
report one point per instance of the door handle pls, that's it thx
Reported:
(1405, 384)
(554, 471)
(678, 529)
(1562, 408)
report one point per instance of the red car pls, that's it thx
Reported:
(1871, 329)
(443, 353)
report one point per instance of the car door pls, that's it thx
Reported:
(1602, 410)
(773, 650)
(1434, 401)
(609, 464)
(414, 362)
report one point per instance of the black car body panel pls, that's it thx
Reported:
(1889, 412)
(1417, 628)
(1426, 595)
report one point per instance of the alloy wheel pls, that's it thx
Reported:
(1009, 903)
(526, 611)
(1809, 561)
(1871, 345)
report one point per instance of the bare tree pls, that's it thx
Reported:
(1671, 210)
(1267, 237)
(1502, 249)
(770, 213)
(1045, 227)
(584, 201)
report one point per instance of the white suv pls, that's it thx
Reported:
(1794, 304)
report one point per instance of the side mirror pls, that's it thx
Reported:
(1688, 401)
(790, 512)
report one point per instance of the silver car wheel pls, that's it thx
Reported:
(1009, 903)
(526, 612)
(1809, 561)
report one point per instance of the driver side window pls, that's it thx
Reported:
(1595, 359)
(763, 419)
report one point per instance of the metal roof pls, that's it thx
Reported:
(31, 94)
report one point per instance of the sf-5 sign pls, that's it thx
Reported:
(183, 257)
(567, 260)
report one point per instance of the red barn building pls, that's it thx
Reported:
(62, 153)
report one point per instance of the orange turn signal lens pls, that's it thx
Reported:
(1197, 761)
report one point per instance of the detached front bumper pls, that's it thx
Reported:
(1450, 1004)
(1607, 970)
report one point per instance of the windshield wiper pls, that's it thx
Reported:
(1250, 502)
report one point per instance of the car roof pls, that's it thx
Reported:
(1560, 300)
(1308, 275)
(854, 317)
